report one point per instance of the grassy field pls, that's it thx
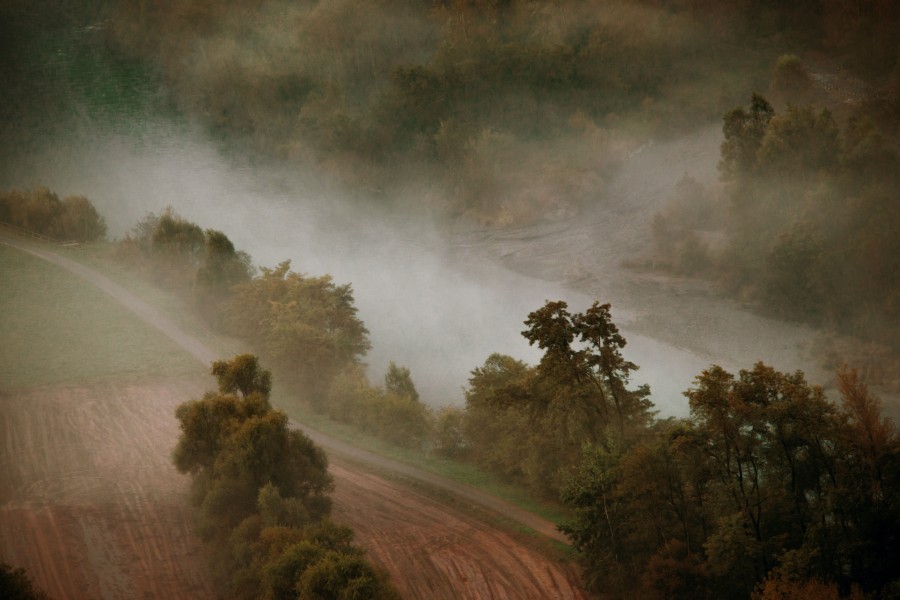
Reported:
(58, 329)
(100, 257)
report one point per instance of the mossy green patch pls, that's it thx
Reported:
(58, 329)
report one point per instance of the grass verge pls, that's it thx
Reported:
(457, 471)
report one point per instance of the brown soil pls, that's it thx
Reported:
(91, 504)
(435, 552)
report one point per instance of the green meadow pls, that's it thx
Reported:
(58, 329)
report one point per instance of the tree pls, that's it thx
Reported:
(242, 373)
(347, 576)
(595, 532)
(236, 446)
(222, 265)
(177, 239)
(868, 497)
(764, 433)
(592, 378)
(306, 326)
(744, 131)
(449, 435)
(15, 585)
(398, 381)
(497, 423)
(80, 221)
(791, 79)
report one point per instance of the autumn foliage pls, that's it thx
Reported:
(40, 211)
(261, 490)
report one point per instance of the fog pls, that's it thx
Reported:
(438, 296)
(428, 305)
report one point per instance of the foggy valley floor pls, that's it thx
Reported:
(441, 297)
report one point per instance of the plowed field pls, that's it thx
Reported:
(91, 505)
(435, 552)
(92, 508)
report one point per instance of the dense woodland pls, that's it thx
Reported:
(768, 488)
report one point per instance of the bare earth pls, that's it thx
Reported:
(92, 507)
(435, 552)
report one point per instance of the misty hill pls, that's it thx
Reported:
(503, 110)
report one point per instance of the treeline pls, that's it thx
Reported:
(809, 219)
(262, 495)
(306, 327)
(180, 255)
(515, 107)
(766, 490)
(72, 219)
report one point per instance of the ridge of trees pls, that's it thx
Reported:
(306, 327)
(72, 219)
(261, 490)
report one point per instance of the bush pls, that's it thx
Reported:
(74, 219)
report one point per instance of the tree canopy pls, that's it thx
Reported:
(306, 326)
(766, 479)
(261, 490)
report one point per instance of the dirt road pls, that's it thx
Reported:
(430, 550)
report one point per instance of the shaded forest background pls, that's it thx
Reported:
(501, 110)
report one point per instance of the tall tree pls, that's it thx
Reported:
(307, 326)
(744, 131)
(591, 376)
